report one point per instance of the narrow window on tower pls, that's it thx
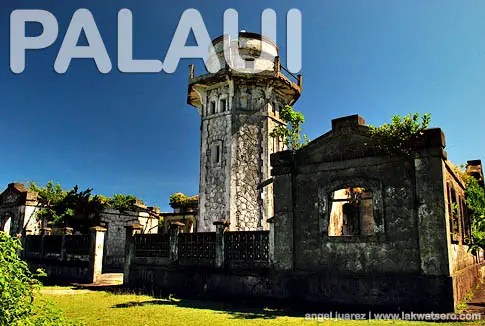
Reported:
(216, 153)
(222, 105)
(213, 107)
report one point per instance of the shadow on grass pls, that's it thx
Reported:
(238, 308)
(237, 311)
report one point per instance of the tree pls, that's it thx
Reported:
(76, 208)
(290, 134)
(399, 136)
(80, 208)
(475, 199)
(123, 202)
(49, 197)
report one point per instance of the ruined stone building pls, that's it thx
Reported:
(355, 228)
(238, 109)
(363, 227)
(18, 208)
(185, 214)
(115, 222)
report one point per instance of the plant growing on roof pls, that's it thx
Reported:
(181, 200)
(399, 136)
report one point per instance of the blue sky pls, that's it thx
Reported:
(134, 133)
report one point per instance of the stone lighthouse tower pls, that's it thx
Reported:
(239, 108)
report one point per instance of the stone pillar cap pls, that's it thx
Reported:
(134, 226)
(222, 222)
(351, 121)
(98, 229)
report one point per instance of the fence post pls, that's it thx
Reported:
(43, 232)
(65, 231)
(271, 239)
(96, 253)
(221, 226)
(131, 230)
(174, 240)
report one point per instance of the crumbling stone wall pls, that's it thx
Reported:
(214, 175)
(17, 210)
(463, 266)
(115, 221)
(410, 243)
(393, 246)
(247, 170)
(238, 109)
(232, 188)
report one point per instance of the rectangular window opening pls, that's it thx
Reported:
(222, 105)
(454, 214)
(351, 212)
(218, 154)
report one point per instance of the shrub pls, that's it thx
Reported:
(290, 134)
(17, 283)
(18, 286)
(180, 200)
(399, 137)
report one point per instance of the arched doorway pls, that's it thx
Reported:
(5, 222)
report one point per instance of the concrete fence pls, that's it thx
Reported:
(216, 251)
(66, 257)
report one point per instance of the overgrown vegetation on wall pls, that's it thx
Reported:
(475, 201)
(179, 200)
(61, 206)
(475, 198)
(398, 137)
(290, 134)
(18, 288)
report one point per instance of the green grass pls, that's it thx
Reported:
(105, 308)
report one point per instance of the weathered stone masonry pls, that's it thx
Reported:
(410, 260)
(391, 246)
(18, 207)
(238, 111)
